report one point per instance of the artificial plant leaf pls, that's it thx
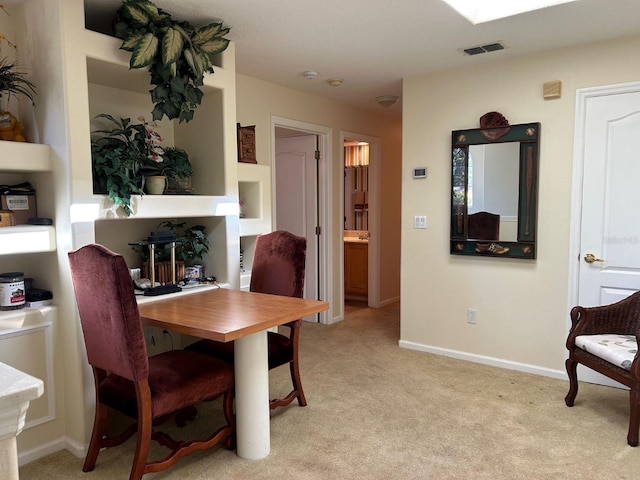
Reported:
(136, 13)
(130, 42)
(159, 93)
(195, 62)
(177, 85)
(207, 33)
(215, 46)
(144, 51)
(180, 28)
(172, 45)
(148, 7)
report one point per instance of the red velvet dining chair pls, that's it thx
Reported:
(148, 389)
(278, 268)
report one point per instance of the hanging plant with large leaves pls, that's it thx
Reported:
(176, 53)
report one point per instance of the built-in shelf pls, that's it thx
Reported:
(25, 158)
(108, 65)
(27, 239)
(19, 157)
(12, 321)
(176, 206)
(254, 187)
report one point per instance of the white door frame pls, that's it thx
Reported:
(325, 204)
(582, 96)
(373, 257)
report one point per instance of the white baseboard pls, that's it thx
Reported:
(76, 449)
(494, 362)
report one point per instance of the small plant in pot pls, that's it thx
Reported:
(179, 170)
(176, 53)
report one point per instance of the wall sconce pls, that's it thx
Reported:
(387, 100)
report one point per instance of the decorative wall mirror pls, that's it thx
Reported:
(494, 193)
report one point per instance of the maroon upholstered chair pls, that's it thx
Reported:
(278, 268)
(605, 339)
(147, 389)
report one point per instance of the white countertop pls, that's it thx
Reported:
(17, 389)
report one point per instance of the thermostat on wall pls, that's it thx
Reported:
(420, 172)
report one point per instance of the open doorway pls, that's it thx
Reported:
(360, 202)
(301, 202)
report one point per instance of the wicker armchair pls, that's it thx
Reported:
(605, 339)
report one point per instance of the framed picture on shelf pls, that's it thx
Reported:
(247, 144)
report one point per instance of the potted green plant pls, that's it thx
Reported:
(191, 246)
(117, 155)
(13, 82)
(176, 53)
(178, 170)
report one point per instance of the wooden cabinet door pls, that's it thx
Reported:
(356, 265)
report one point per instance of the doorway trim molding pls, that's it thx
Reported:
(325, 248)
(373, 257)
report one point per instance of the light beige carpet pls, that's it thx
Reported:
(377, 411)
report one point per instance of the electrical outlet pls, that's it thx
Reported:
(472, 316)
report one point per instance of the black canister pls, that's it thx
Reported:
(11, 290)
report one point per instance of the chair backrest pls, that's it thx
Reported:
(109, 315)
(278, 264)
(484, 226)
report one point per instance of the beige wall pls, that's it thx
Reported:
(522, 305)
(257, 101)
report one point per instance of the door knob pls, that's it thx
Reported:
(590, 258)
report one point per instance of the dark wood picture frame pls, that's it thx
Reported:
(246, 144)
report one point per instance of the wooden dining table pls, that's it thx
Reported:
(243, 317)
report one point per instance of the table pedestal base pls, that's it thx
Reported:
(252, 396)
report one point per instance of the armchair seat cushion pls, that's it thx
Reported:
(620, 350)
(177, 379)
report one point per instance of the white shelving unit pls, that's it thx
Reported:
(26, 334)
(209, 139)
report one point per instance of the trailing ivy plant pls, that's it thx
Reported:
(176, 53)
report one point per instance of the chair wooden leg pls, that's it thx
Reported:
(143, 439)
(297, 383)
(227, 407)
(572, 367)
(634, 418)
(99, 424)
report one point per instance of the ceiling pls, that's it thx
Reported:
(374, 44)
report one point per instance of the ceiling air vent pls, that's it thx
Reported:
(491, 47)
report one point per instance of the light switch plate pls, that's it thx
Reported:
(420, 221)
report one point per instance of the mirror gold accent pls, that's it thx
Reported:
(494, 193)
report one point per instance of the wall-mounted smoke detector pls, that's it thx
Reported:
(310, 74)
(490, 47)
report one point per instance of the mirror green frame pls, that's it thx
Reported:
(485, 240)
